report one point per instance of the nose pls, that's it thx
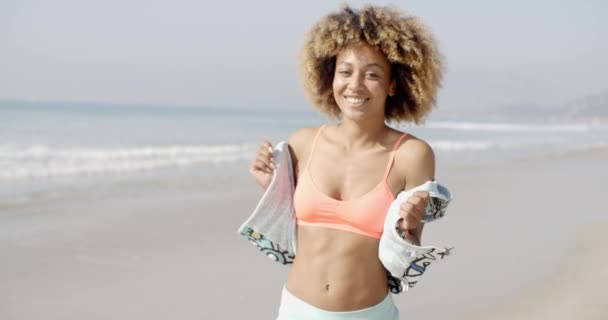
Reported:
(356, 82)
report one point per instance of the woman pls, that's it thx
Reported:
(365, 68)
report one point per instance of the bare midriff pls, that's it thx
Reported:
(337, 270)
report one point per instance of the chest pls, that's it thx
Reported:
(346, 176)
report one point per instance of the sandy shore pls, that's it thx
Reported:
(528, 236)
(575, 291)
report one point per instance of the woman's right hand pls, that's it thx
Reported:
(262, 167)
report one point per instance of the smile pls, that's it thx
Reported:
(355, 99)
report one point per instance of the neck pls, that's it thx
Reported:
(358, 135)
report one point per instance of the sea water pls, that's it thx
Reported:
(49, 147)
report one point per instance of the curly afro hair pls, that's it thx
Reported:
(416, 65)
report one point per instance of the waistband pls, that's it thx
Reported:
(292, 308)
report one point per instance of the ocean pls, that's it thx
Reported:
(49, 150)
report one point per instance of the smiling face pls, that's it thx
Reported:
(362, 82)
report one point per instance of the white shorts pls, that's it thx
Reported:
(292, 308)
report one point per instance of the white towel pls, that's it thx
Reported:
(272, 226)
(406, 262)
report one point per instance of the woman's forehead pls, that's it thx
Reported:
(362, 54)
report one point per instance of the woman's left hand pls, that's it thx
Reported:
(412, 213)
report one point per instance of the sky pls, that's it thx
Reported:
(244, 54)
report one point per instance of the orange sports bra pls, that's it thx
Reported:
(364, 215)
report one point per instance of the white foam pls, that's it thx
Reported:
(44, 161)
(507, 127)
(447, 145)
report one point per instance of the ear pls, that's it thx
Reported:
(392, 88)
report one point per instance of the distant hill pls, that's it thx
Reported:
(588, 108)
(592, 107)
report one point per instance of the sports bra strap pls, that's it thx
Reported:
(314, 143)
(392, 156)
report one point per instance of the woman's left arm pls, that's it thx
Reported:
(418, 167)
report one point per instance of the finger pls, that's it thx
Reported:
(264, 160)
(265, 149)
(266, 146)
(267, 153)
(413, 221)
(419, 198)
(402, 224)
(422, 193)
(409, 223)
(406, 208)
(413, 206)
(418, 202)
(408, 235)
(267, 158)
(255, 165)
(409, 209)
(262, 165)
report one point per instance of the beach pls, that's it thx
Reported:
(127, 131)
(528, 236)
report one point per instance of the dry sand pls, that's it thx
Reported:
(576, 291)
(528, 235)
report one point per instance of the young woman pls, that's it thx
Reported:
(365, 67)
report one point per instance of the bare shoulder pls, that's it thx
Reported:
(301, 139)
(300, 142)
(415, 160)
(416, 150)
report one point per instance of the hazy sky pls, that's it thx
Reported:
(244, 54)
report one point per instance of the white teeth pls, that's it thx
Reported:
(355, 100)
